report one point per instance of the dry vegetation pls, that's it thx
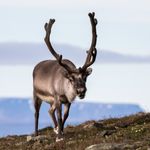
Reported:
(132, 132)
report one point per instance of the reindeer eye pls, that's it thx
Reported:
(71, 78)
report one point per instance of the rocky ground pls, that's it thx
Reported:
(127, 133)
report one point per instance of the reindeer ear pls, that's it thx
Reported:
(88, 71)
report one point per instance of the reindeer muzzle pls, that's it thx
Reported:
(81, 92)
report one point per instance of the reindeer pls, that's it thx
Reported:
(58, 81)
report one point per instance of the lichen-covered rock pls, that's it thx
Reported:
(36, 138)
(114, 146)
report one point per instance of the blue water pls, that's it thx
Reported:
(17, 115)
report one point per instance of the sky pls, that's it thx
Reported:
(123, 25)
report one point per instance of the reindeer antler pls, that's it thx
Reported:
(92, 52)
(58, 57)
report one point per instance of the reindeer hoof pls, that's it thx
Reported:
(56, 130)
(59, 139)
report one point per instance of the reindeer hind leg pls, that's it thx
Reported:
(37, 105)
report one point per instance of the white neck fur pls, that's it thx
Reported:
(70, 93)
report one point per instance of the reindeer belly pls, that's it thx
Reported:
(47, 98)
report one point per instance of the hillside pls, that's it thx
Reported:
(132, 132)
(32, 53)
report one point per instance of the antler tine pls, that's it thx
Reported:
(58, 57)
(92, 52)
(48, 27)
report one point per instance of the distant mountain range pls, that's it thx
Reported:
(17, 115)
(32, 53)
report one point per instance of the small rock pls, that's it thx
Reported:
(103, 133)
(29, 138)
(37, 138)
(93, 125)
(104, 146)
(59, 139)
(40, 137)
(110, 146)
(70, 142)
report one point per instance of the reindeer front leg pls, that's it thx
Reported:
(52, 114)
(59, 118)
(66, 114)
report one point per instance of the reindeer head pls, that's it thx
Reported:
(76, 76)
